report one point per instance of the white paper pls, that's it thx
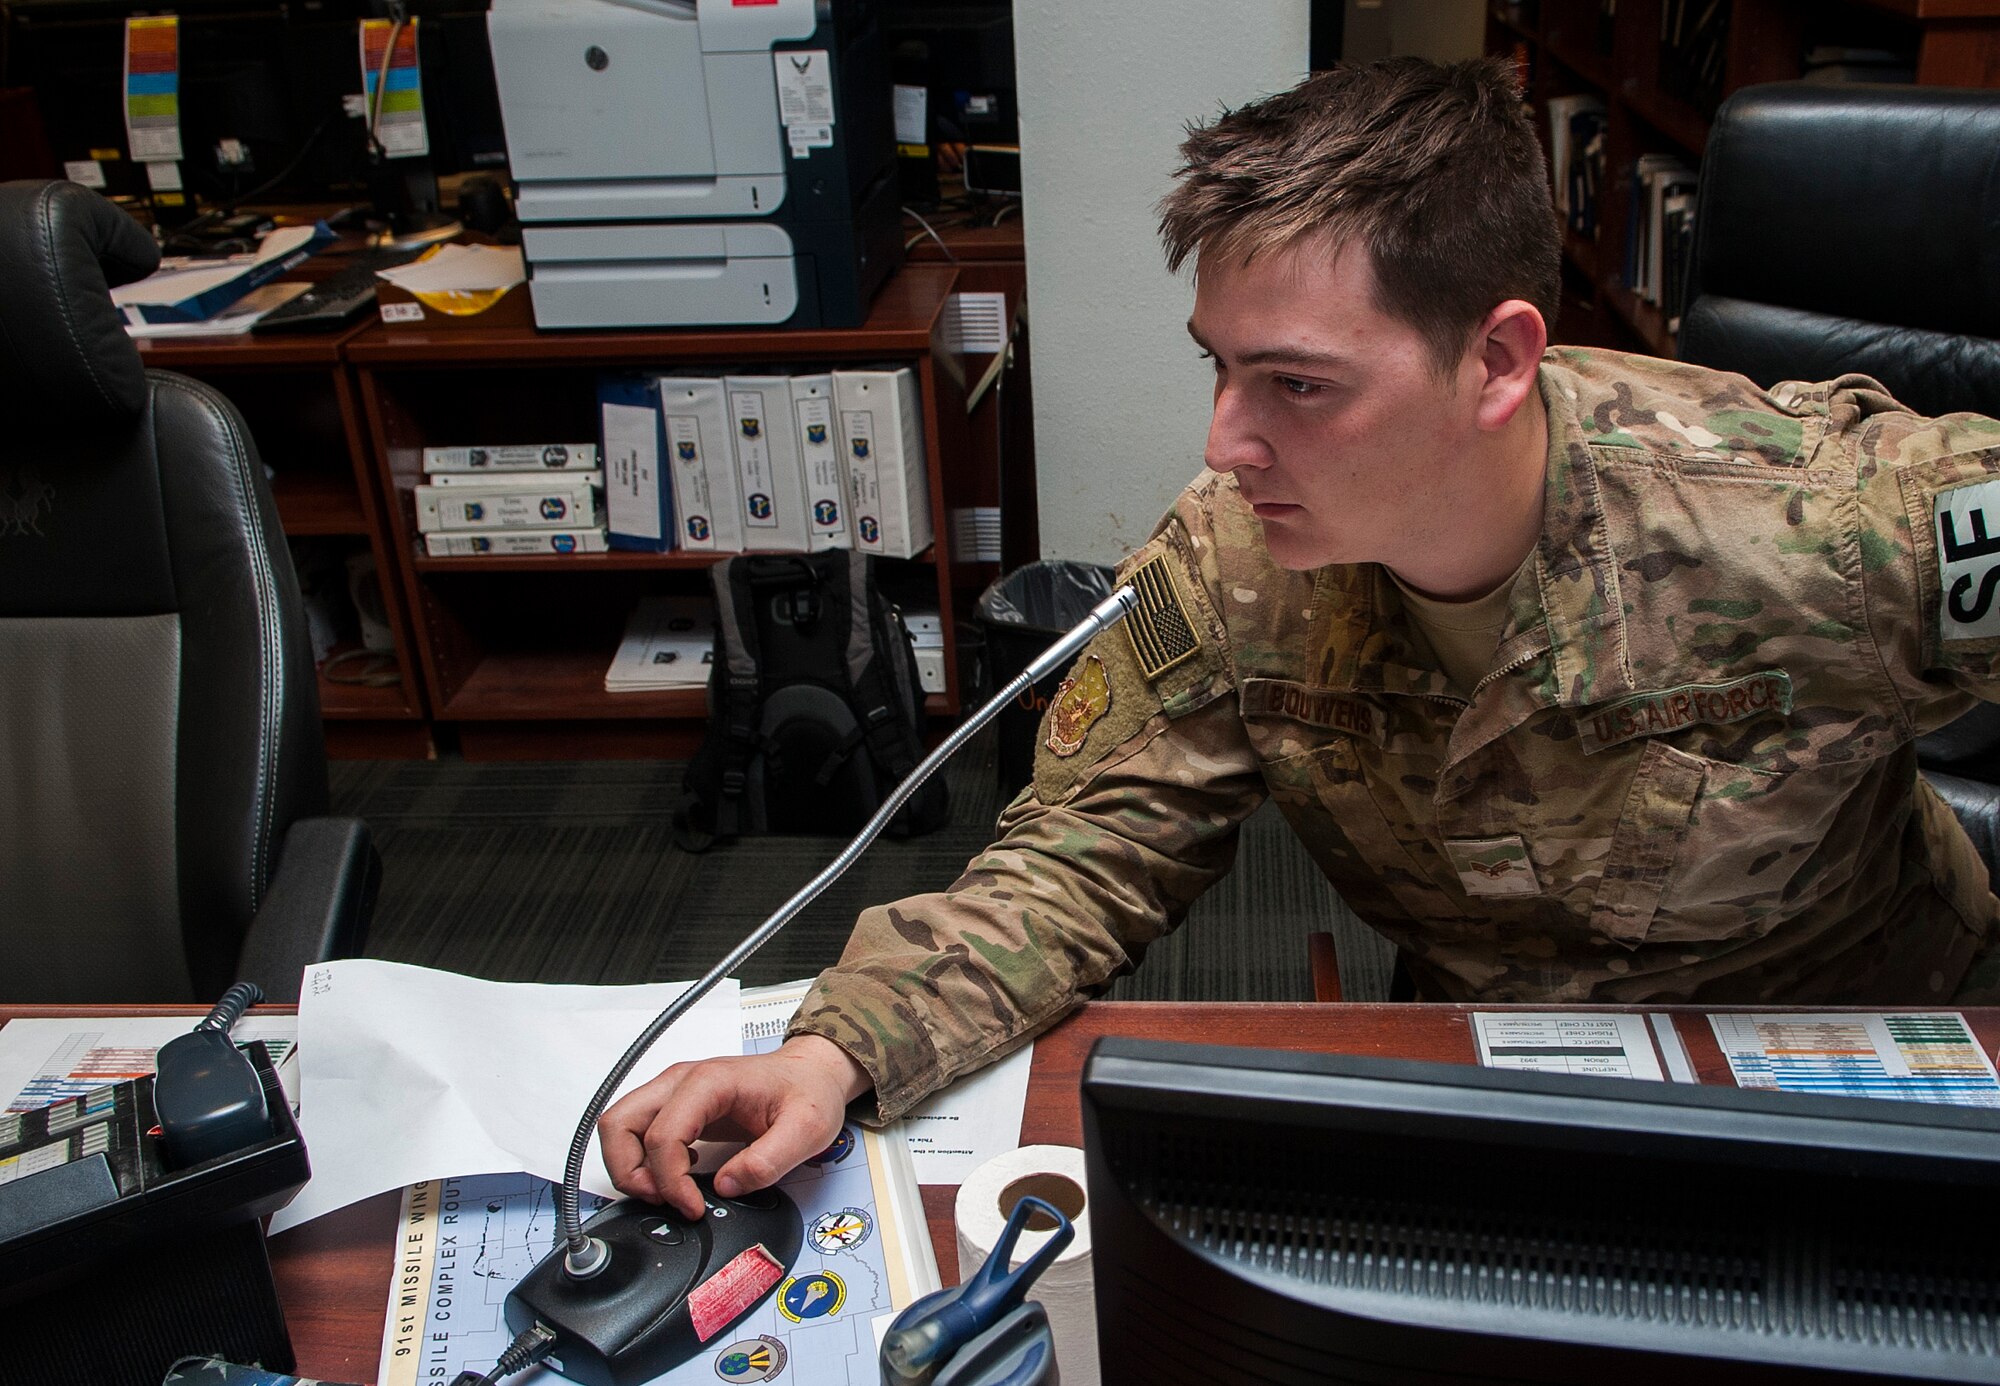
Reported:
(177, 280)
(1917, 1056)
(44, 1061)
(1606, 1045)
(460, 269)
(238, 318)
(955, 1131)
(411, 1074)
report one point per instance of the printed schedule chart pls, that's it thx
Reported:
(1914, 1056)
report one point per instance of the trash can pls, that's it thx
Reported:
(1023, 613)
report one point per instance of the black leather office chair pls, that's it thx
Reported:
(162, 773)
(1857, 228)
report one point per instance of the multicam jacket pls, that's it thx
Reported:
(1688, 777)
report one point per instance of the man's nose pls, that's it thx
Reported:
(1233, 438)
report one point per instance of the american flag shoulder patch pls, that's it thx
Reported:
(1163, 634)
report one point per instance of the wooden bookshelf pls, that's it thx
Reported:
(1570, 47)
(513, 649)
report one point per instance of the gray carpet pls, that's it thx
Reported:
(567, 872)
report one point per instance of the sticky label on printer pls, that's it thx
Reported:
(803, 138)
(805, 88)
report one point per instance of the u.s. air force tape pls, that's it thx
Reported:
(1162, 632)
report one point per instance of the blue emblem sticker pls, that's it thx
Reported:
(554, 507)
(563, 543)
(697, 527)
(860, 446)
(816, 434)
(751, 427)
(826, 513)
(815, 1296)
(760, 506)
(871, 532)
(685, 450)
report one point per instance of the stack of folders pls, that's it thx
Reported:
(763, 461)
(669, 643)
(526, 498)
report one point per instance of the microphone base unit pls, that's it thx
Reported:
(669, 1288)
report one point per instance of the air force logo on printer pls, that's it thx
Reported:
(717, 153)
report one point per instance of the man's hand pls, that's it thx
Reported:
(789, 1105)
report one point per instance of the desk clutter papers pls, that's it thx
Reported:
(189, 290)
(44, 1061)
(1605, 1044)
(459, 280)
(867, 1256)
(1919, 1056)
(712, 463)
(414, 1074)
(669, 643)
(233, 321)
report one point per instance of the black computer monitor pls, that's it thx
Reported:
(1273, 1217)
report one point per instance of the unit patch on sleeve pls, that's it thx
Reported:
(1163, 634)
(1966, 524)
(1083, 697)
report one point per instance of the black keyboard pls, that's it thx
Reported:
(332, 302)
(336, 300)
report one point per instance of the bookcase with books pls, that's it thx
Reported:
(295, 394)
(1623, 93)
(515, 647)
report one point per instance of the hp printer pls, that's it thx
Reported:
(682, 164)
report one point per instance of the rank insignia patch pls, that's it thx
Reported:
(1083, 697)
(1493, 865)
(1162, 632)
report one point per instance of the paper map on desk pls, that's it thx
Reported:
(44, 1061)
(464, 1243)
(1928, 1056)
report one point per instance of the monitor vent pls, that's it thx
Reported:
(1623, 1244)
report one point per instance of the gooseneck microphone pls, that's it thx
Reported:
(554, 1299)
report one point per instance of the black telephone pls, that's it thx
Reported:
(130, 1217)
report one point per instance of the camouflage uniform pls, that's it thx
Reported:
(1688, 777)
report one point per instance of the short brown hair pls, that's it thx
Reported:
(1435, 169)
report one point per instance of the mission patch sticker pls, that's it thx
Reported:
(1966, 525)
(1162, 632)
(1083, 697)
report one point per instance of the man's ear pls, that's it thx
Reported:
(1509, 350)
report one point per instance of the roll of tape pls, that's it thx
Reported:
(1054, 1174)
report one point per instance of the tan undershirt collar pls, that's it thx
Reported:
(1462, 634)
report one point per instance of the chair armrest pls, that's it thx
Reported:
(1324, 956)
(318, 906)
(1977, 805)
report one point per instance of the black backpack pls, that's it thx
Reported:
(814, 713)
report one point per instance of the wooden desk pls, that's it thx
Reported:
(333, 1273)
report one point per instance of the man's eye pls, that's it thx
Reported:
(1292, 385)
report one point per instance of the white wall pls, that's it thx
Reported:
(1106, 88)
